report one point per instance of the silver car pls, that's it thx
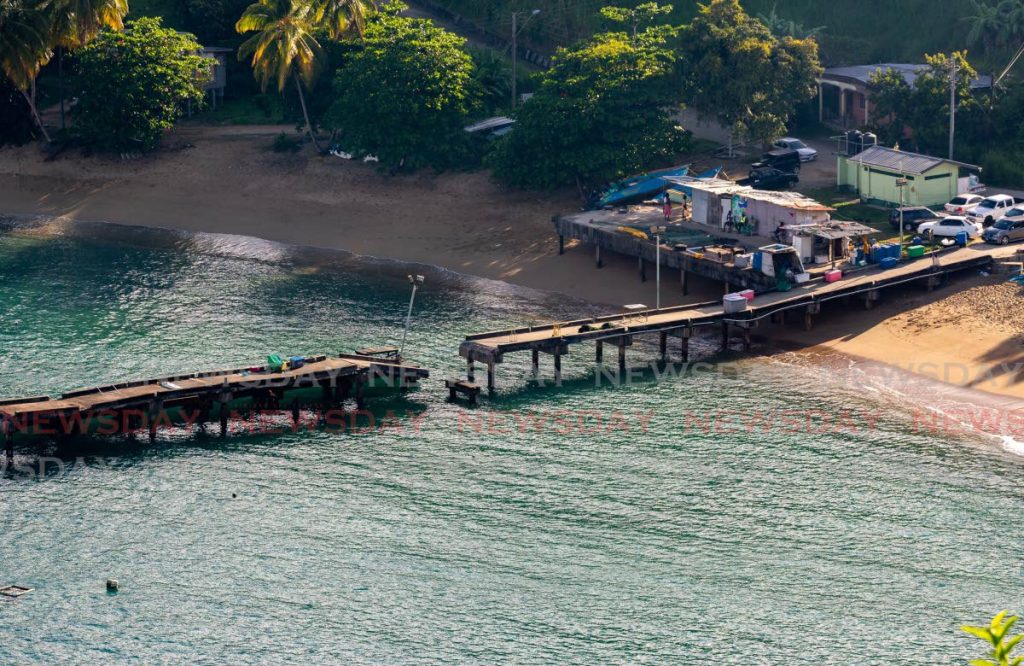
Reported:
(1006, 230)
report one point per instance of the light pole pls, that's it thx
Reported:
(415, 281)
(901, 183)
(516, 29)
(657, 232)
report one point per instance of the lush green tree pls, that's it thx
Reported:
(603, 110)
(405, 95)
(995, 25)
(643, 15)
(923, 107)
(75, 23)
(492, 75)
(134, 84)
(735, 70)
(996, 635)
(24, 48)
(283, 47)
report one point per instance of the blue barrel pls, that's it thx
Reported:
(888, 262)
(961, 238)
(758, 258)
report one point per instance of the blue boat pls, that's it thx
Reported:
(677, 185)
(639, 187)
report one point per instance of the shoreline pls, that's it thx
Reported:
(227, 182)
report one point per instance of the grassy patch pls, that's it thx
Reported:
(256, 110)
(849, 207)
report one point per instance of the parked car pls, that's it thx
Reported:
(781, 159)
(913, 216)
(1008, 229)
(949, 227)
(769, 178)
(993, 208)
(963, 203)
(806, 153)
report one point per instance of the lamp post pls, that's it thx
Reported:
(516, 29)
(901, 183)
(657, 232)
(415, 281)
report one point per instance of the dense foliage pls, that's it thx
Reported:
(603, 109)
(923, 107)
(134, 85)
(735, 70)
(848, 32)
(405, 95)
(996, 636)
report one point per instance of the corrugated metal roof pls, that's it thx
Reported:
(897, 160)
(862, 73)
(792, 200)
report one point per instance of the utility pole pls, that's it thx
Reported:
(515, 50)
(952, 102)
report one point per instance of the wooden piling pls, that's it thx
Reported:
(361, 392)
(622, 357)
(470, 371)
(558, 368)
(8, 432)
(155, 406)
(683, 282)
(535, 362)
(490, 376)
(663, 346)
(725, 336)
(597, 256)
(642, 268)
(561, 244)
(599, 353)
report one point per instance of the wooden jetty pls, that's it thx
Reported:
(619, 330)
(338, 377)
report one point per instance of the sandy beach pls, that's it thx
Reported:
(225, 179)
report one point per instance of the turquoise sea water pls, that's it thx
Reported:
(580, 524)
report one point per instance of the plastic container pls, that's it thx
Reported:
(758, 261)
(741, 260)
(734, 303)
(915, 251)
(888, 262)
(802, 277)
(747, 294)
(833, 275)
(961, 239)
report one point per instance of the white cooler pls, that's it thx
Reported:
(734, 303)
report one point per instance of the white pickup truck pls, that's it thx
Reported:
(992, 208)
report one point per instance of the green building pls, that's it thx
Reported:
(931, 181)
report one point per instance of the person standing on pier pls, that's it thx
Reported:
(667, 207)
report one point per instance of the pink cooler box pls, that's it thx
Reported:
(834, 275)
(747, 294)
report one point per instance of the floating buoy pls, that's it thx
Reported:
(112, 585)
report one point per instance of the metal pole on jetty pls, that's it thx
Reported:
(416, 281)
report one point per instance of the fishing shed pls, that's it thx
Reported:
(829, 242)
(874, 174)
(714, 200)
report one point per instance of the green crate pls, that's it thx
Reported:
(915, 251)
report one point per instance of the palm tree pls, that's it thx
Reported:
(283, 47)
(781, 27)
(24, 48)
(985, 26)
(342, 16)
(75, 23)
